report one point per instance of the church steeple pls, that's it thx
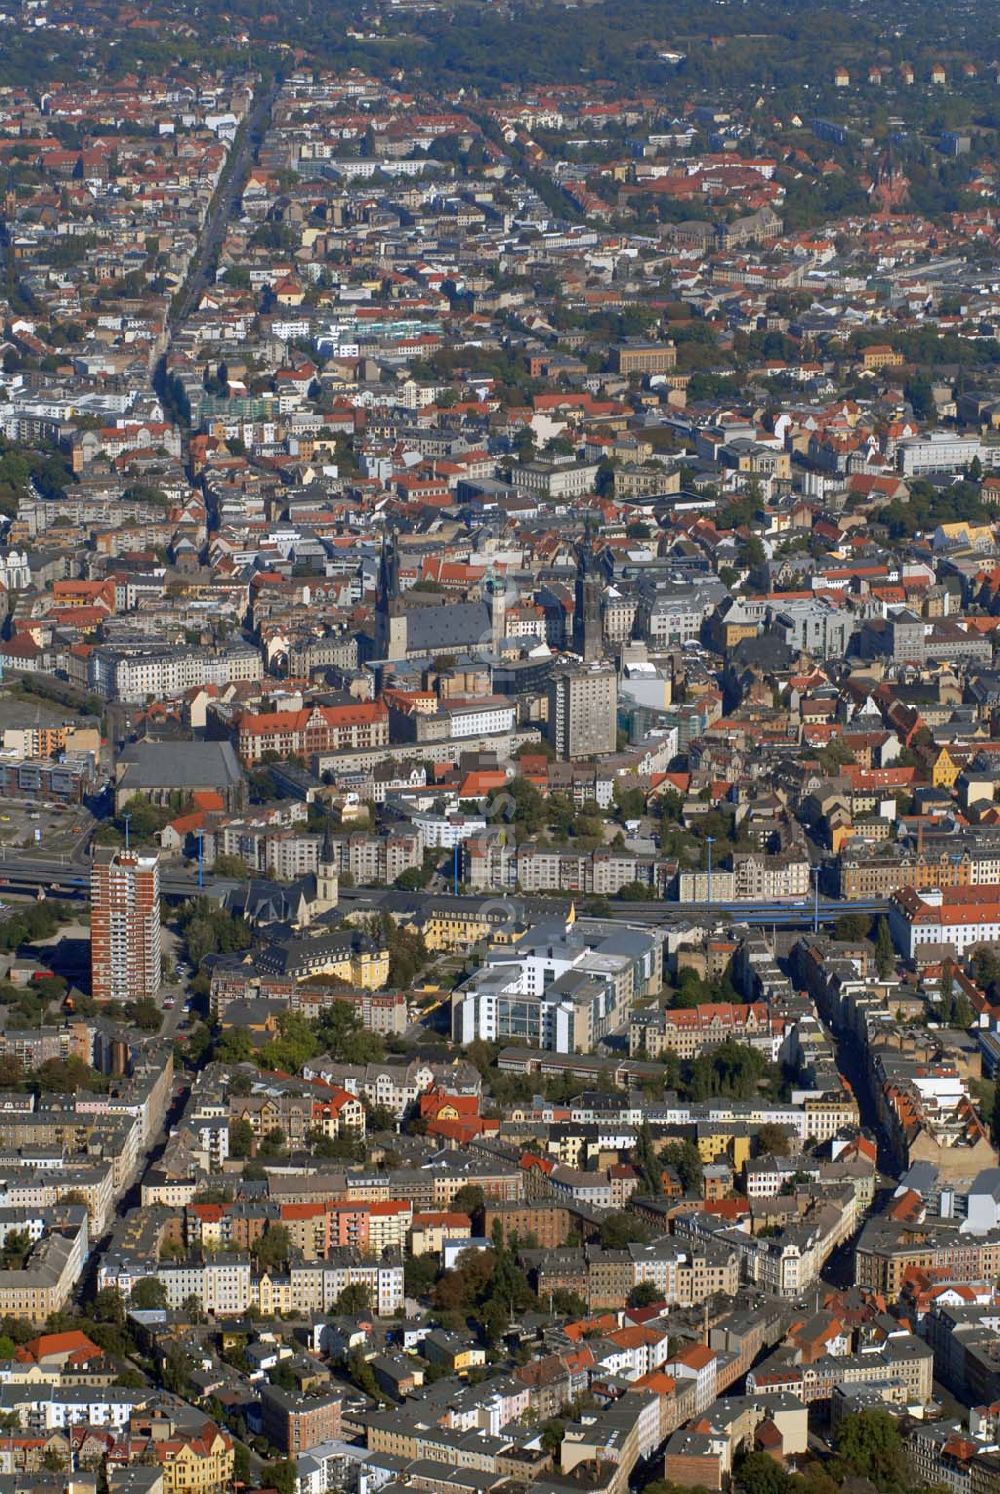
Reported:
(390, 619)
(588, 630)
(388, 571)
(496, 602)
(327, 877)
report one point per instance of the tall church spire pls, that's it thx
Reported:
(390, 619)
(388, 571)
(588, 630)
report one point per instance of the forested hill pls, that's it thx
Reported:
(786, 48)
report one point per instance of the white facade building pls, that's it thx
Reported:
(961, 917)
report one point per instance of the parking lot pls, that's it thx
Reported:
(55, 828)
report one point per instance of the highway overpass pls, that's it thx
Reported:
(61, 877)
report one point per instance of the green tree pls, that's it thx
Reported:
(647, 1160)
(684, 1157)
(732, 1070)
(362, 1374)
(145, 1014)
(274, 1143)
(568, 1304)
(636, 892)
(407, 953)
(354, 1299)
(619, 1230)
(691, 991)
(192, 1307)
(240, 1138)
(109, 1307)
(271, 1248)
(130, 1379)
(956, 1009)
(419, 1275)
(630, 803)
(869, 1445)
(553, 1432)
(487, 1283)
(469, 1199)
(280, 1474)
(341, 1034)
(834, 756)
(52, 988)
(921, 397)
(65, 1075)
(15, 1250)
(645, 1294)
(760, 1474)
(234, 1046)
(852, 927)
(211, 930)
(772, 1140)
(986, 968)
(295, 1044)
(521, 802)
(885, 954)
(241, 1464)
(283, 1376)
(148, 1292)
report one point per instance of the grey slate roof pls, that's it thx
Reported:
(457, 625)
(179, 765)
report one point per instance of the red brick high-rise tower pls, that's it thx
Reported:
(124, 925)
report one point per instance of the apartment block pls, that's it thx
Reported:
(124, 925)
